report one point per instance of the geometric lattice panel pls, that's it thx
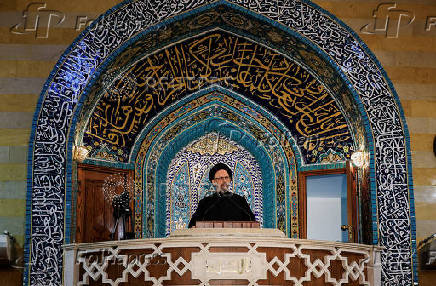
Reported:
(200, 261)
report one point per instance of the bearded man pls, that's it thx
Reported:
(223, 205)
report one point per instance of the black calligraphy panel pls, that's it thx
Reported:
(274, 81)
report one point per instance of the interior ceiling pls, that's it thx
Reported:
(300, 89)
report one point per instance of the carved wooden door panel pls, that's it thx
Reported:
(94, 218)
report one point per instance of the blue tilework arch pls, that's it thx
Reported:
(215, 97)
(49, 159)
(226, 128)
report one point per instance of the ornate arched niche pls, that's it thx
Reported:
(219, 113)
(295, 61)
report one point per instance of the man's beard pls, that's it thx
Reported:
(224, 187)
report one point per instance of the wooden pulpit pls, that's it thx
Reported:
(222, 256)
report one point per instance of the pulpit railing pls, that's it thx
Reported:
(225, 256)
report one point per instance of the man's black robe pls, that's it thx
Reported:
(226, 206)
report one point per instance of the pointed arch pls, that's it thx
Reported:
(50, 150)
(215, 114)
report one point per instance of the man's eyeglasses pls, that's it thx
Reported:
(222, 178)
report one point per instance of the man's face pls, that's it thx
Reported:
(221, 181)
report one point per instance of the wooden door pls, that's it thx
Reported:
(347, 209)
(94, 215)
